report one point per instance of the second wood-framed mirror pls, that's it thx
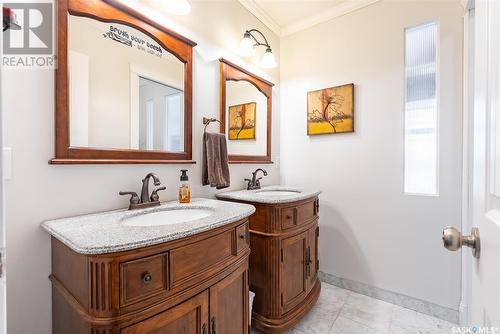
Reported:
(245, 114)
(123, 87)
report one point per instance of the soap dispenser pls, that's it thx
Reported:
(184, 190)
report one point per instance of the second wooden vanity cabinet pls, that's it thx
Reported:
(284, 262)
(193, 285)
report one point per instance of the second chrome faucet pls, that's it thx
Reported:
(146, 200)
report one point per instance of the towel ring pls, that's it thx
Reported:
(207, 121)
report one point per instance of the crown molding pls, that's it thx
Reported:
(259, 13)
(336, 11)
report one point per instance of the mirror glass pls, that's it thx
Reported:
(246, 119)
(125, 89)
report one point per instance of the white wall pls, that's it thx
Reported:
(370, 231)
(39, 191)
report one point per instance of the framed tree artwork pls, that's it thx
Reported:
(242, 121)
(330, 110)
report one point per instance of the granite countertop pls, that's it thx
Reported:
(254, 196)
(105, 232)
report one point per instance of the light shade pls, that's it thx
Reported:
(177, 7)
(246, 46)
(268, 59)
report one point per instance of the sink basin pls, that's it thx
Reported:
(278, 193)
(167, 217)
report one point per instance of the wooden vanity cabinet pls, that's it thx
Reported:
(194, 285)
(284, 263)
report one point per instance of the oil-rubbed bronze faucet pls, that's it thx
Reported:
(146, 200)
(254, 183)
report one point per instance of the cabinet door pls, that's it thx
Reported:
(293, 271)
(229, 304)
(189, 317)
(312, 261)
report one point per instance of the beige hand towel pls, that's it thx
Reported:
(215, 167)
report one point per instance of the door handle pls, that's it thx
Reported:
(453, 240)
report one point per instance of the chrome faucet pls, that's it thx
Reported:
(146, 200)
(254, 183)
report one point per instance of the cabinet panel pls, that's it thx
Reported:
(189, 317)
(293, 273)
(191, 260)
(229, 304)
(312, 261)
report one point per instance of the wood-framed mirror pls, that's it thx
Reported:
(123, 87)
(245, 114)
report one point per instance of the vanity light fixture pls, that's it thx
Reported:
(177, 7)
(248, 44)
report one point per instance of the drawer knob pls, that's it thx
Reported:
(146, 278)
(242, 236)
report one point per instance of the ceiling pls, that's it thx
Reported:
(285, 17)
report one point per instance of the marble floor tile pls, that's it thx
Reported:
(405, 321)
(331, 297)
(347, 326)
(318, 320)
(370, 312)
(340, 311)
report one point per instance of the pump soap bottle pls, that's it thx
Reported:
(184, 190)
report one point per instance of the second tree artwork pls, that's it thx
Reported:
(330, 110)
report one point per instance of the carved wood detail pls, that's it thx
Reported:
(116, 11)
(233, 72)
(100, 287)
(86, 289)
(282, 237)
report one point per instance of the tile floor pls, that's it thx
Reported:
(340, 311)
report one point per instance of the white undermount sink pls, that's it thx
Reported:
(167, 217)
(278, 192)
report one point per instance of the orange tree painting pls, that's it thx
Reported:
(330, 110)
(242, 121)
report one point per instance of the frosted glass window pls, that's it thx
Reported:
(421, 114)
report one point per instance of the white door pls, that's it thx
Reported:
(3, 287)
(485, 275)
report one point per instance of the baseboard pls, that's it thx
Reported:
(411, 303)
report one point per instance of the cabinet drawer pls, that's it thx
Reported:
(190, 261)
(295, 216)
(242, 237)
(142, 278)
